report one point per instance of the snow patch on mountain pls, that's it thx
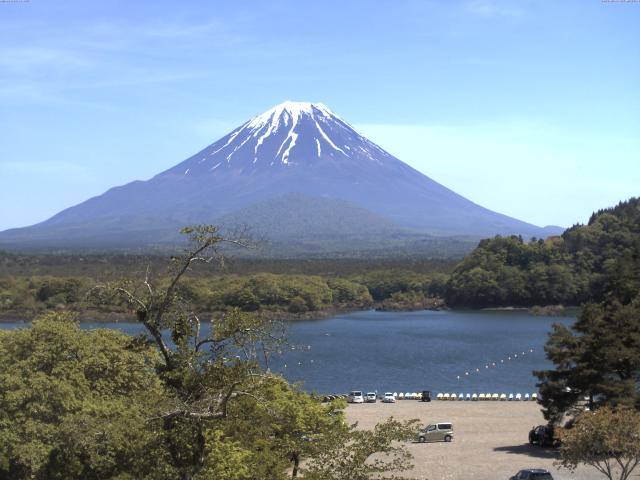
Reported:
(288, 111)
(289, 134)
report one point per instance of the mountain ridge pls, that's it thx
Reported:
(294, 147)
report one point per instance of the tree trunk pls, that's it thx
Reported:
(296, 464)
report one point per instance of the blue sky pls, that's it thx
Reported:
(528, 108)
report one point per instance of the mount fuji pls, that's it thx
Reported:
(297, 173)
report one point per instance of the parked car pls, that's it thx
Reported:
(543, 436)
(532, 474)
(426, 396)
(436, 432)
(355, 397)
(389, 398)
(371, 397)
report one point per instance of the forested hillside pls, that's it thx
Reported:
(502, 271)
(568, 269)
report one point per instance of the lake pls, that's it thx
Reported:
(445, 351)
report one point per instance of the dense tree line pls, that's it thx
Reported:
(569, 269)
(503, 271)
(293, 293)
(112, 265)
(257, 292)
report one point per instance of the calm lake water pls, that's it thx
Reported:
(411, 351)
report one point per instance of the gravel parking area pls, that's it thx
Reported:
(490, 443)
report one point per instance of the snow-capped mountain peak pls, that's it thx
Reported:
(289, 112)
(289, 134)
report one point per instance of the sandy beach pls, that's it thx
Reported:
(491, 439)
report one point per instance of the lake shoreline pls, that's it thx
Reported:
(96, 316)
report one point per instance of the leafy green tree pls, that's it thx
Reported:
(607, 440)
(361, 454)
(225, 459)
(74, 403)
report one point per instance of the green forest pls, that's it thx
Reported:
(568, 270)
(500, 272)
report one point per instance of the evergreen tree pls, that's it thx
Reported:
(598, 358)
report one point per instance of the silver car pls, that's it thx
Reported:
(436, 432)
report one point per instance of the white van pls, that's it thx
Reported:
(355, 397)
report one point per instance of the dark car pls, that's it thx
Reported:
(426, 396)
(532, 474)
(543, 436)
